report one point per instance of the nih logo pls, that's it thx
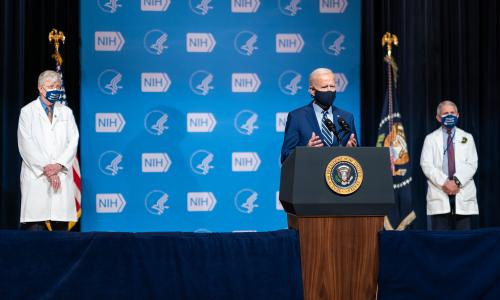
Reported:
(200, 42)
(154, 5)
(155, 162)
(200, 122)
(281, 121)
(201, 201)
(109, 122)
(108, 41)
(279, 206)
(341, 82)
(289, 43)
(245, 6)
(245, 200)
(109, 203)
(245, 161)
(245, 82)
(332, 6)
(155, 82)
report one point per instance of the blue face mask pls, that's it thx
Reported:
(54, 95)
(325, 98)
(449, 121)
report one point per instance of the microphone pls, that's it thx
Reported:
(343, 124)
(331, 127)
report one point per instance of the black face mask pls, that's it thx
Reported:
(325, 98)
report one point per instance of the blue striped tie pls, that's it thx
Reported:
(327, 134)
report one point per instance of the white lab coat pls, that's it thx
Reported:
(431, 162)
(41, 143)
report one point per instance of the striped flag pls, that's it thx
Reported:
(77, 184)
(56, 36)
(391, 134)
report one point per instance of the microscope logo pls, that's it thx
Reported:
(154, 41)
(154, 122)
(201, 162)
(109, 163)
(200, 82)
(155, 202)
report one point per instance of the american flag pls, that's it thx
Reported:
(77, 182)
(391, 134)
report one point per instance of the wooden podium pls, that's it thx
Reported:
(338, 233)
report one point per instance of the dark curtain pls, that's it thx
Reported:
(447, 50)
(24, 54)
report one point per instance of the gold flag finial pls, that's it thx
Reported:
(389, 39)
(55, 37)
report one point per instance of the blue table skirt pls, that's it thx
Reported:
(62, 265)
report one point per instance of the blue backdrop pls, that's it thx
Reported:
(184, 102)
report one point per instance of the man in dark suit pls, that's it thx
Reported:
(318, 124)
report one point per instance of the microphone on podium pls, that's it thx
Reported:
(344, 127)
(343, 124)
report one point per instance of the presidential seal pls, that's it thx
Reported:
(344, 175)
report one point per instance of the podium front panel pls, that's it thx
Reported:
(305, 192)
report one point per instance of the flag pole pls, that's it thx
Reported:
(56, 37)
(391, 134)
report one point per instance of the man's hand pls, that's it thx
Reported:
(450, 188)
(55, 182)
(52, 169)
(352, 141)
(315, 141)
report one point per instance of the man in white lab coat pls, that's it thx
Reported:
(47, 139)
(449, 161)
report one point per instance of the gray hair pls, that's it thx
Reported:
(50, 76)
(443, 103)
(318, 71)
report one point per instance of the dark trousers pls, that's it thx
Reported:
(451, 222)
(41, 226)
